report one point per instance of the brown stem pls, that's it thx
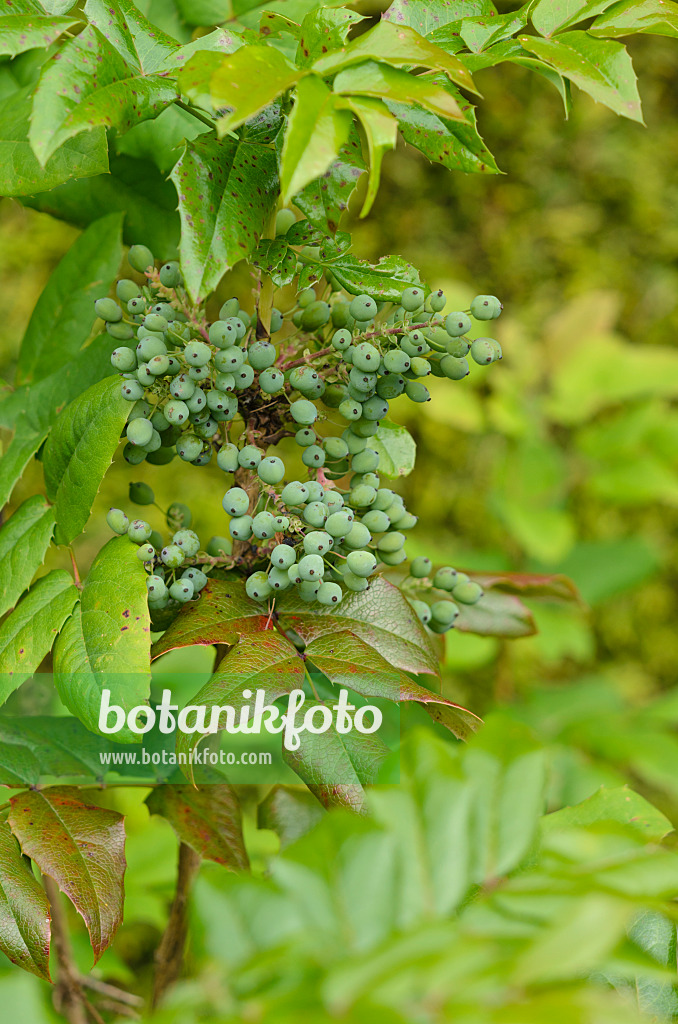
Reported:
(68, 996)
(111, 991)
(305, 359)
(169, 956)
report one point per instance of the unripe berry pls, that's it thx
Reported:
(140, 258)
(468, 592)
(108, 309)
(363, 308)
(236, 501)
(329, 593)
(271, 380)
(361, 563)
(412, 299)
(141, 494)
(453, 368)
(358, 537)
(485, 350)
(179, 516)
(282, 556)
(197, 578)
(457, 324)
(423, 611)
(117, 520)
(197, 353)
(250, 456)
(172, 556)
(486, 307)
(294, 493)
(271, 470)
(170, 275)
(311, 567)
(240, 527)
(139, 432)
(257, 586)
(188, 541)
(261, 355)
(444, 612)
(354, 583)
(303, 411)
(420, 567)
(146, 552)
(176, 412)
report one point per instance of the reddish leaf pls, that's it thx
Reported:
(380, 616)
(497, 614)
(291, 811)
(348, 661)
(82, 848)
(207, 819)
(223, 613)
(554, 587)
(264, 660)
(24, 910)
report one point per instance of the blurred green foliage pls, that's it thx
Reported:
(563, 459)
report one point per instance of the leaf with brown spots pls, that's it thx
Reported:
(207, 819)
(348, 661)
(82, 848)
(24, 910)
(223, 614)
(325, 200)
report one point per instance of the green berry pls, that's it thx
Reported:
(444, 612)
(229, 309)
(486, 307)
(170, 275)
(329, 593)
(317, 542)
(308, 590)
(236, 501)
(271, 381)
(257, 586)
(155, 323)
(126, 290)
(283, 222)
(423, 611)
(366, 357)
(227, 458)
(229, 360)
(282, 556)
(363, 308)
(358, 537)
(303, 411)
(156, 587)
(305, 297)
(313, 456)
(123, 359)
(261, 355)
(458, 324)
(340, 314)
(303, 378)
(311, 567)
(412, 299)
(354, 583)
(293, 573)
(376, 521)
(197, 578)
(244, 377)
(139, 531)
(240, 527)
(485, 350)
(189, 447)
(282, 523)
(263, 525)
(420, 567)
(108, 309)
(179, 516)
(351, 410)
(361, 563)
(181, 590)
(218, 546)
(139, 432)
(146, 553)
(315, 315)
(271, 470)
(188, 541)
(279, 579)
(391, 542)
(397, 361)
(362, 496)
(250, 456)
(393, 557)
(140, 258)
(223, 334)
(335, 448)
(294, 493)
(467, 593)
(415, 344)
(341, 340)
(416, 391)
(117, 520)
(305, 437)
(436, 301)
(197, 353)
(176, 412)
(141, 494)
(182, 387)
(445, 578)
(454, 368)
(339, 524)
(133, 454)
(277, 320)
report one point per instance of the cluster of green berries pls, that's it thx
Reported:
(193, 384)
(171, 581)
(439, 612)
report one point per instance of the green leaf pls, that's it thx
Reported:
(20, 171)
(18, 765)
(24, 539)
(385, 279)
(219, 41)
(398, 46)
(380, 616)
(264, 660)
(599, 67)
(548, 16)
(207, 819)
(15, 458)
(161, 141)
(387, 83)
(479, 33)
(324, 201)
(222, 615)
(19, 32)
(106, 643)
(425, 16)
(78, 452)
(349, 661)
(63, 317)
(316, 132)
(336, 767)
(249, 80)
(28, 633)
(396, 447)
(497, 614)
(204, 12)
(323, 29)
(82, 848)
(24, 910)
(659, 17)
(620, 805)
(381, 132)
(290, 812)
(142, 45)
(534, 585)
(227, 192)
(70, 98)
(195, 78)
(135, 188)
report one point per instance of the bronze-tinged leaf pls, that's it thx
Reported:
(290, 811)
(264, 661)
(497, 614)
(348, 661)
(223, 614)
(24, 910)
(380, 616)
(207, 819)
(82, 848)
(535, 585)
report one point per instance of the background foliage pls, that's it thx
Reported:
(565, 461)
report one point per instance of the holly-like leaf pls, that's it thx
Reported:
(222, 615)
(147, 201)
(219, 41)
(335, 766)
(398, 46)
(16, 457)
(659, 17)
(600, 67)
(20, 171)
(78, 452)
(397, 449)
(381, 132)
(385, 279)
(24, 539)
(24, 910)
(496, 614)
(18, 765)
(106, 642)
(207, 819)
(88, 84)
(323, 201)
(349, 661)
(260, 661)
(316, 132)
(549, 17)
(27, 635)
(82, 848)
(289, 811)
(620, 805)
(195, 78)
(425, 16)
(527, 584)
(249, 80)
(21, 32)
(227, 192)
(323, 30)
(480, 33)
(387, 83)
(142, 45)
(380, 616)
(63, 317)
